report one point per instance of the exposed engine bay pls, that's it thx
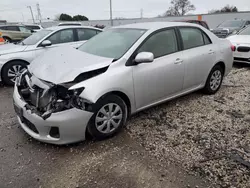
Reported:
(44, 98)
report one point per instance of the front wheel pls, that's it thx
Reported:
(11, 71)
(109, 117)
(214, 80)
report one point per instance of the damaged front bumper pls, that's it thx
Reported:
(64, 127)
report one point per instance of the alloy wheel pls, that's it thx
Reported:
(15, 71)
(215, 80)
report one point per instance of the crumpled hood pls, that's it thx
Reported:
(11, 48)
(61, 65)
(239, 39)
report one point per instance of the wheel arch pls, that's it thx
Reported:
(123, 96)
(10, 62)
(222, 65)
(5, 36)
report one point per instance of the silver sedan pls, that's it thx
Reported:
(68, 92)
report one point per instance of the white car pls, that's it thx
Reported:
(69, 92)
(14, 58)
(69, 23)
(34, 27)
(241, 46)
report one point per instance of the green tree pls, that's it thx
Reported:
(65, 17)
(80, 18)
(227, 8)
(179, 8)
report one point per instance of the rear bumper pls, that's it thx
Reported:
(71, 123)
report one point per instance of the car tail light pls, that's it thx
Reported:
(233, 48)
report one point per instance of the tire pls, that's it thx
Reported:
(7, 39)
(99, 122)
(214, 80)
(11, 71)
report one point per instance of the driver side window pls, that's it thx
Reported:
(63, 36)
(161, 43)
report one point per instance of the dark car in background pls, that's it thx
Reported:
(230, 27)
(199, 22)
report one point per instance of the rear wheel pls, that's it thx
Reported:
(7, 39)
(11, 71)
(214, 80)
(109, 117)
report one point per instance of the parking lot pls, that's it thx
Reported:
(183, 143)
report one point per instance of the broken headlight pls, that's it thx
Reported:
(79, 102)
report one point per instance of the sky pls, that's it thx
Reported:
(16, 10)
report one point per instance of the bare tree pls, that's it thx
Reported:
(179, 8)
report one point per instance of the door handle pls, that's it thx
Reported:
(211, 52)
(178, 61)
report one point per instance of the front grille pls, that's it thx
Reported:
(221, 33)
(241, 59)
(30, 125)
(243, 49)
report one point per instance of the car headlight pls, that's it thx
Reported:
(79, 102)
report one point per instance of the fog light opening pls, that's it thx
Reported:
(54, 132)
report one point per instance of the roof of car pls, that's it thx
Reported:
(156, 25)
(70, 26)
(12, 25)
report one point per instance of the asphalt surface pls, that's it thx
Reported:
(117, 162)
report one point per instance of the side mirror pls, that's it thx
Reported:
(46, 43)
(144, 57)
(32, 31)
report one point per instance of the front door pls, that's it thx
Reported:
(64, 37)
(163, 77)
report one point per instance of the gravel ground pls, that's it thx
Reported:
(116, 162)
(178, 144)
(207, 135)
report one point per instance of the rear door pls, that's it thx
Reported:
(25, 32)
(199, 55)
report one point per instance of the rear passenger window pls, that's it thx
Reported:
(161, 43)
(12, 28)
(191, 37)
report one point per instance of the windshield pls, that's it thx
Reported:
(113, 43)
(245, 31)
(232, 23)
(36, 37)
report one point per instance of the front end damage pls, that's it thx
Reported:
(45, 98)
